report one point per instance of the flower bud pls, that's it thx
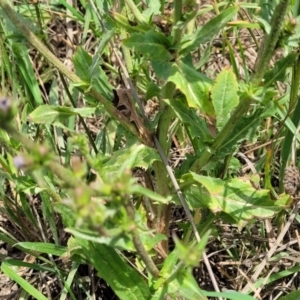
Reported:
(6, 110)
(22, 162)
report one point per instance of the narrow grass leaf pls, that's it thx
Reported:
(188, 116)
(49, 216)
(233, 60)
(68, 283)
(244, 24)
(229, 295)
(246, 128)
(8, 238)
(44, 248)
(122, 22)
(291, 296)
(206, 33)
(27, 210)
(279, 71)
(287, 143)
(288, 122)
(73, 10)
(277, 276)
(6, 268)
(30, 81)
(22, 264)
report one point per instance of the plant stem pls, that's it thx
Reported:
(126, 53)
(125, 50)
(269, 43)
(139, 245)
(177, 19)
(161, 174)
(288, 140)
(163, 211)
(135, 11)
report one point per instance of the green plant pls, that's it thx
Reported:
(115, 224)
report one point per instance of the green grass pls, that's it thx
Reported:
(116, 117)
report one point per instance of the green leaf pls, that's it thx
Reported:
(68, 283)
(279, 70)
(73, 247)
(245, 129)
(152, 90)
(276, 276)
(153, 8)
(168, 267)
(7, 269)
(37, 266)
(82, 62)
(26, 184)
(24, 65)
(188, 286)
(136, 156)
(229, 295)
(102, 44)
(162, 69)
(236, 197)
(177, 279)
(67, 214)
(188, 116)
(190, 255)
(184, 284)
(224, 96)
(48, 214)
(91, 73)
(194, 85)
(26, 208)
(291, 296)
(57, 115)
(140, 190)
(120, 241)
(207, 32)
(125, 281)
(44, 248)
(153, 45)
(122, 22)
(75, 12)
